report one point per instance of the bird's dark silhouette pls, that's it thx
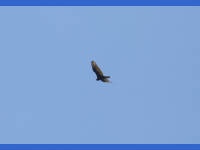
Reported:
(99, 73)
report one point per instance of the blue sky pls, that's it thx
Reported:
(50, 95)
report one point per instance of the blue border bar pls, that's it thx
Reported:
(99, 2)
(99, 146)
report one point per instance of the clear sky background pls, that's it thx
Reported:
(49, 93)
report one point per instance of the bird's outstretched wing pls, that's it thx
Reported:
(96, 69)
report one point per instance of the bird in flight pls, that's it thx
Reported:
(99, 73)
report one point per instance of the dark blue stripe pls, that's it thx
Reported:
(100, 146)
(100, 2)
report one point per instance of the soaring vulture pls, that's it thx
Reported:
(99, 73)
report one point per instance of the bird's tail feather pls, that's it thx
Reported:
(106, 76)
